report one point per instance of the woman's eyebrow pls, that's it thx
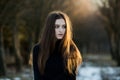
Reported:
(56, 24)
(59, 24)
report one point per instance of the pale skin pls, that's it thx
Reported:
(60, 28)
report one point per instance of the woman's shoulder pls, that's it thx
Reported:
(36, 48)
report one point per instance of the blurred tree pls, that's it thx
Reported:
(2, 62)
(8, 13)
(16, 42)
(111, 16)
(2, 18)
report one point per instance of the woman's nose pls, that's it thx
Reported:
(60, 29)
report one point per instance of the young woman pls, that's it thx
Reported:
(56, 57)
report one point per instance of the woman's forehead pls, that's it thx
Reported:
(60, 21)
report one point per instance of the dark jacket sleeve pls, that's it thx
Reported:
(36, 72)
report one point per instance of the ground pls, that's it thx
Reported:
(94, 67)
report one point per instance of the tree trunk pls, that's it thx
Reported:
(2, 63)
(113, 46)
(118, 51)
(18, 57)
(30, 45)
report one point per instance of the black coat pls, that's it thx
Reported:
(55, 68)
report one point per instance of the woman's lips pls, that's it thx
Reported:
(60, 34)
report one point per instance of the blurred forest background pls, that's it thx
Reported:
(96, 28)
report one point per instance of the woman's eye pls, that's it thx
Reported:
(56, 26)
(63, 26)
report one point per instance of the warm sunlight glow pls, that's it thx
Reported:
(100, 3)
(84, 7)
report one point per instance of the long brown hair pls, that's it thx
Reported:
(68, 49)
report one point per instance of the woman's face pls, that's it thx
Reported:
(60, 28)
